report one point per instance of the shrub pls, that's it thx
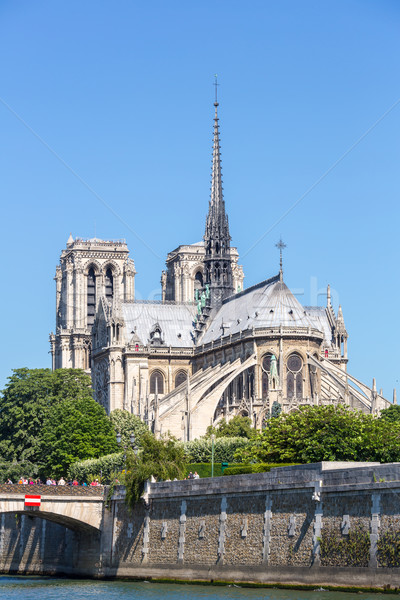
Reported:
(104, 467)
(199, 451)
(204, 469)
(256, 468)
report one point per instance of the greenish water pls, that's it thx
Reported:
(41, 588)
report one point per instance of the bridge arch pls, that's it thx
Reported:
(76, 512)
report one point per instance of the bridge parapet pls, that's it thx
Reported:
(72, 506)
(51, 490)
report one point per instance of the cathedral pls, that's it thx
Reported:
(208, 350)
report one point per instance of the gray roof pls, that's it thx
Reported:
(267, 304)
(175, 321)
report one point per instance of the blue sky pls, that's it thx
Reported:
(106, 128)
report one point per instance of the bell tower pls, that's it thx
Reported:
(88, 270)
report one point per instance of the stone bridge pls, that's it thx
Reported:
(75, 507)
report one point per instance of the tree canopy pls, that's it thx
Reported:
(238, 426)
(318, 433)
(125, 423)
(391, 414)
(49, 419)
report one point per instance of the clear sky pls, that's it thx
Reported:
(106, 129)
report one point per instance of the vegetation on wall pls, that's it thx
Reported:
(350, 550)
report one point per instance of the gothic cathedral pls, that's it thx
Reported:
(209, 349)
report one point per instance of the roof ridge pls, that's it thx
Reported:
(251, 288)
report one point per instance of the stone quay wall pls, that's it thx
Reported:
(332, 524)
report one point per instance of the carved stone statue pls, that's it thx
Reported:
(273, 373)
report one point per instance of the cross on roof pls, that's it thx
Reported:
(216, 84)
(281, 246)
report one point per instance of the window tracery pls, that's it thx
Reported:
(294, 376)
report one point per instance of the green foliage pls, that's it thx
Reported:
(254, 468)
(125, 423)
(391, 414)
(350, 550)
(49, 420)
(204, 469)
(162, 459)
(276, 409)
(389, 549)
(238, 426)
(105, 468)
(318, 433)
(78, 429)
(224, 449)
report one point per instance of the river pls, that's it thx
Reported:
(42, 588)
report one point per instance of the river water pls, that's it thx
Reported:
(42, 588)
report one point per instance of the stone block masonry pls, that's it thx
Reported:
(325, 524)
(312, 524)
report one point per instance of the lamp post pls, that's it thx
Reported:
(212, 454)
(132, 441)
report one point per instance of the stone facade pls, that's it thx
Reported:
(88, 270)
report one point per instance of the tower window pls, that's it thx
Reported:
(91, 297)
(109, 285)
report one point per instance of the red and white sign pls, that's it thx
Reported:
(31, 500)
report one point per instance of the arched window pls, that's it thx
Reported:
(158, 377)
(109, 285)
(198, 280)
(180, 378)
(91, 297)
(294, 376)
(217, 271)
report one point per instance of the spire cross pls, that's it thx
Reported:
(281, 246)
(216, 84)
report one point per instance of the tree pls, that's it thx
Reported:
(238, 426)
(77, 429)
(391, 414)
(50, 416)
(317, 433)
(161, 458)
(125, 423)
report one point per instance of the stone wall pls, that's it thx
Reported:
(304, 525)
(308, 524)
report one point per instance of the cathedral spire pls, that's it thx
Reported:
(217, 262)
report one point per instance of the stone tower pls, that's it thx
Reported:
(88, 271)
(218, 271)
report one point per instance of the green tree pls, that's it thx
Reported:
(161, 458)
(35, 404)
(391, 414)
(77, 429)
(125, 423)
(238, 426)
(317, 433)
